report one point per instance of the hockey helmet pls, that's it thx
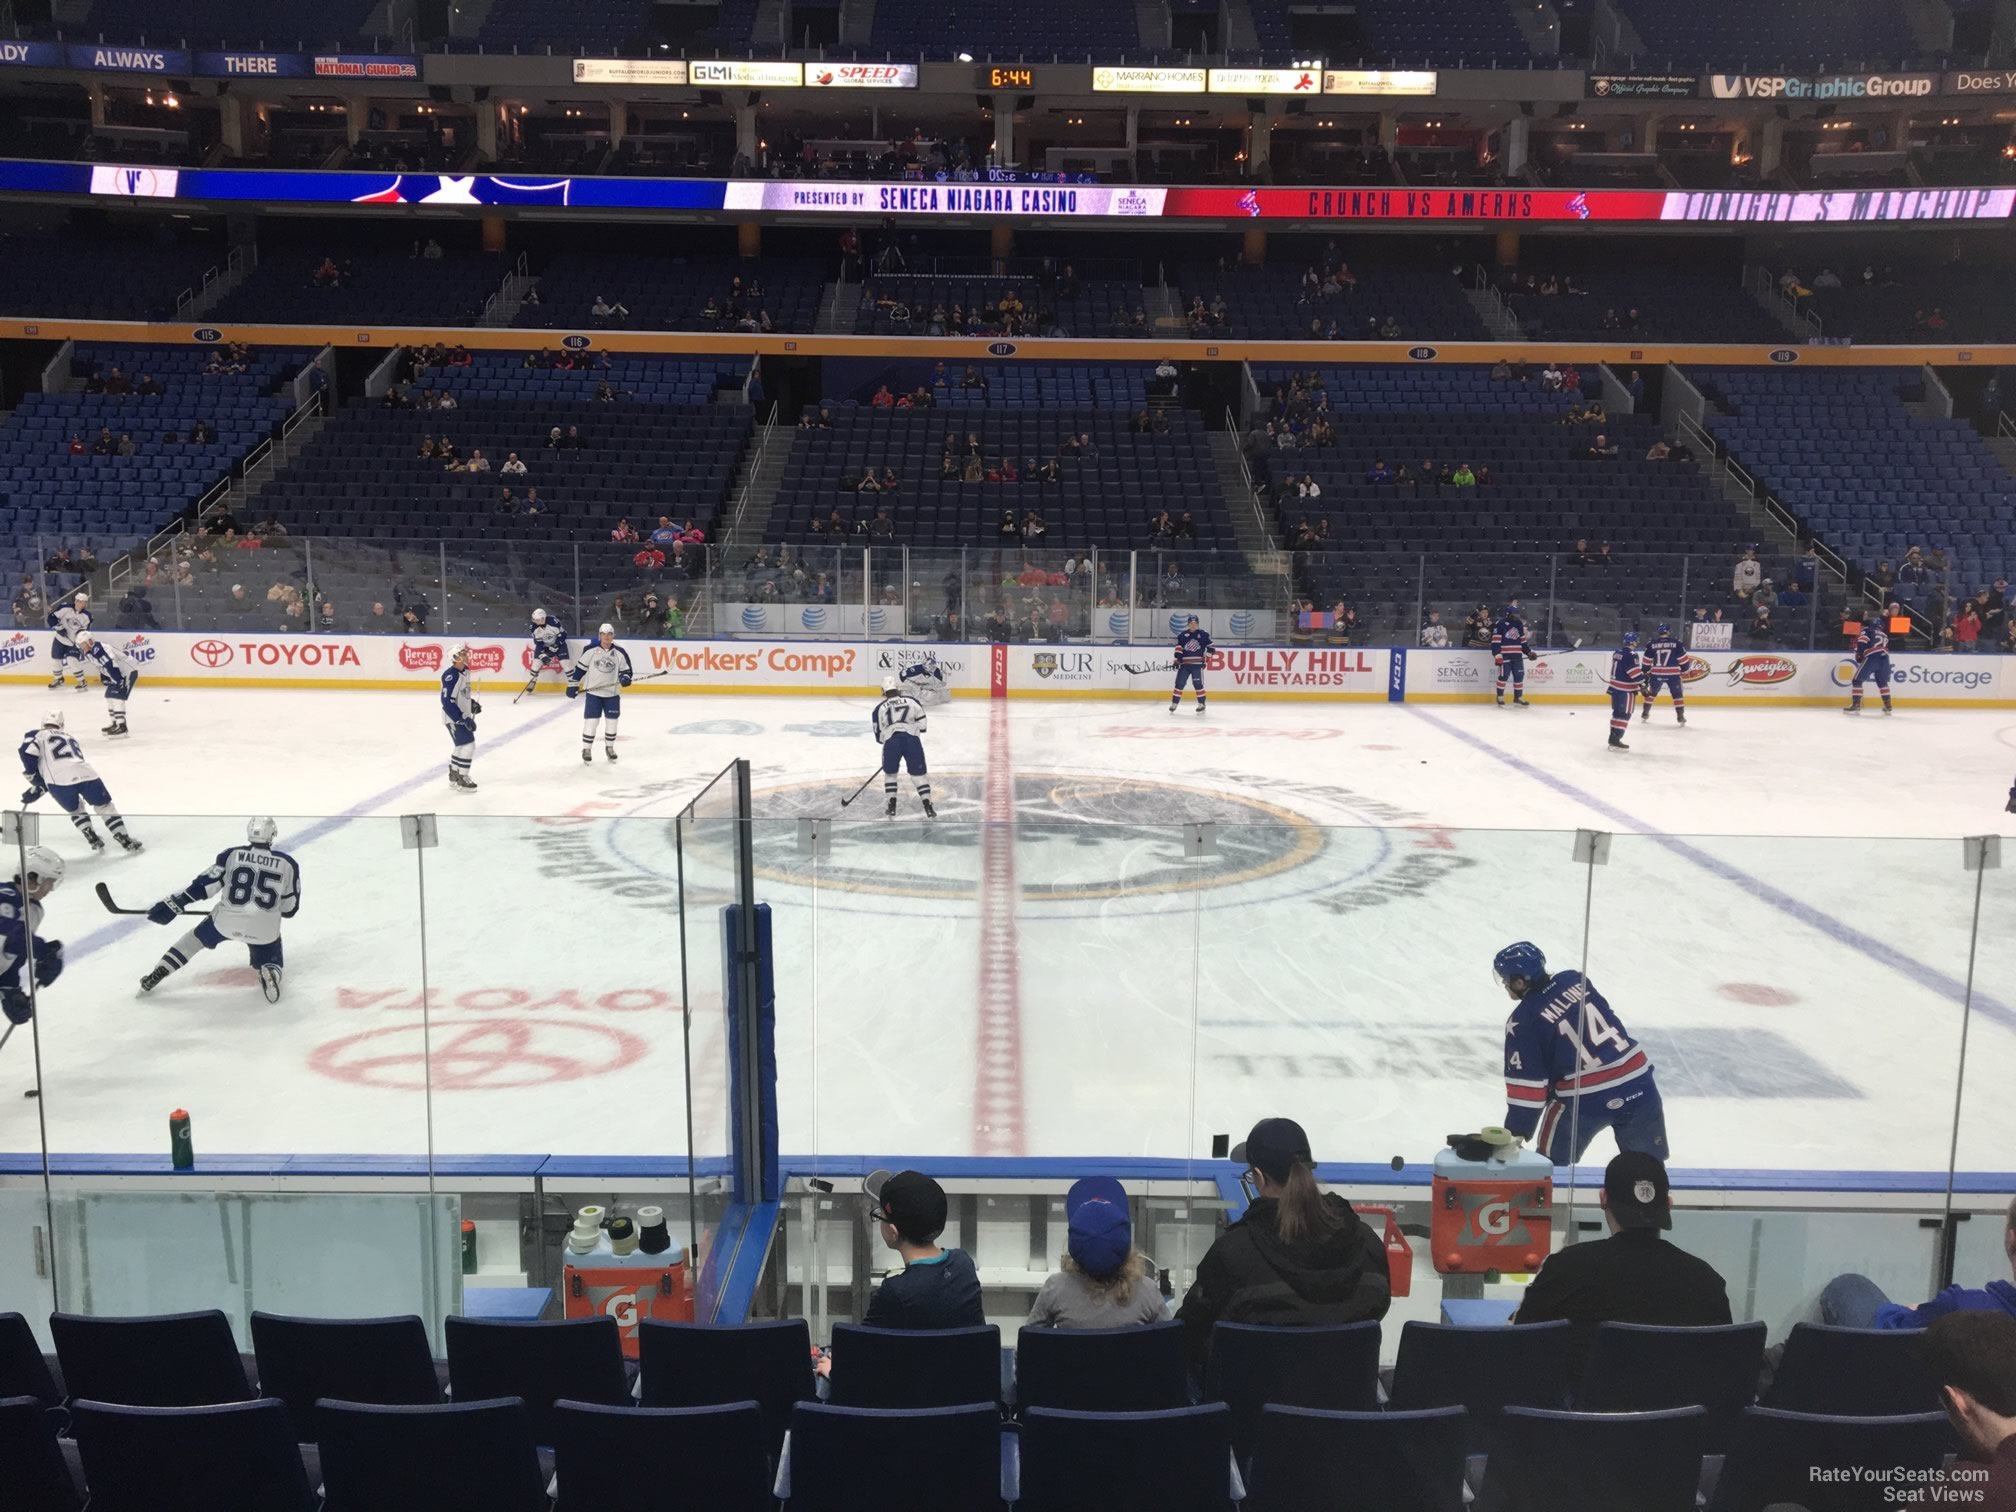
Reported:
(86, 638)
(889, 683)
(39, 872)
(1630, 637)
(1191, 620)
(459, 653)
(605, 629)
(1664, 628)
(53, 720)
(81, 598)
(1521, 960)
(538, 616)
(261, 831)
(1510, 612)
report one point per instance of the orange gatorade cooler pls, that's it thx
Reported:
(627, 1269)
(1493, 1214)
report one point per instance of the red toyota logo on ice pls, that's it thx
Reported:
(210, 653)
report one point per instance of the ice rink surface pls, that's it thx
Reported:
(1061, 964)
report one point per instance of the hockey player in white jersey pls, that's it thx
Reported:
(27, 962)
(69, 618)
(54, 764)
(602, 671)
(458, 712)
(924, 680)
(118, 673)
(899, 722)
(256, 886)
(549, 650)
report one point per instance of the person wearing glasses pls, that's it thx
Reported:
(1299, 1256)
(937, 1288)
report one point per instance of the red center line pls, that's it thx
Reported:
(997, 1088)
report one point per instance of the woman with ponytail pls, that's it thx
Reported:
(1298, 1257)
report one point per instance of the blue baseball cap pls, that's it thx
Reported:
(1101, 1233)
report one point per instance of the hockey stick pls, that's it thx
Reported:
(1169, 666)
(105, 897)
(859, 790)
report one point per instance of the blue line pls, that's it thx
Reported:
(119, 929)
(1929, 977)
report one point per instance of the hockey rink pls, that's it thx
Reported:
(1058, 966)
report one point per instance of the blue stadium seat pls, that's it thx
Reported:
(887, 1367)
(191, 1459)
(768, 1362)
(1548, 1461)
(1772, 1458)
(538, 1363)
(387, 1361)
(31, 1461)
(465, 1456)
(1399, 1461)
(840, 1455)
(24, 1370)
(167, 1360)
(1872, 1372)
(1137, 1369)
(1635, 1367)
(1178, 1461)
(1482, 1369)
(661, 1459)
(1335, 1368)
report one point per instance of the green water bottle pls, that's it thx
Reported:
(181, 1148)
(468, 1246)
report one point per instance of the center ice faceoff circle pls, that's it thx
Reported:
(1084, 843)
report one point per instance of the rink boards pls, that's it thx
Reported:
(1334, 674)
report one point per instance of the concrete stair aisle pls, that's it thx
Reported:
(836, 309)
(753, 498)
(1249, 527)
(1496, 314)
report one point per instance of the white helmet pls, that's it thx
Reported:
(889, 683)
(606, 630)
(44, 869)
(538, 616)
(261, 831)
(86, 638)
(459, 653)
(81, 598)
(53, 720)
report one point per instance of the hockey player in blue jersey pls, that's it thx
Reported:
(1511, 649)
(549, 650)
(924, 680)
(1626, 673)
(69, 619)
(1571, 1070)
(458, 712)
(1665, 668)
(899, 721)
(1872, 659)
(117, 673)
(27, 962)
(256, 886)
(1192, 647)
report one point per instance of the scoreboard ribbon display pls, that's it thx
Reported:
(1020, 202)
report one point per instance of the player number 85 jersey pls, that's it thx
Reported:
(256, 888)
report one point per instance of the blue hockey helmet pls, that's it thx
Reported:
(1630, 637)
(1521, 960)
(1191, 620)
(1510, 612)
(1664, 628)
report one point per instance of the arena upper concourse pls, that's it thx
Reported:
(595, 592)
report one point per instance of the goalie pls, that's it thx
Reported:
(924, 680)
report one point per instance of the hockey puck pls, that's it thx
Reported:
(32, 1092)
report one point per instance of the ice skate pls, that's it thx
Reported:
(154, 979)
(889, 809)
(929, 812)
(94, 840)
(127, 843)
(115, 729)
(1618, 745)
(609, 750)
(269, 983)
(588, 754)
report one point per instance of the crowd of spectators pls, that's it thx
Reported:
(1945, 613)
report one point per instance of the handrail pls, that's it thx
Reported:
(755, 466)
(1246, 476)
(2004, 426)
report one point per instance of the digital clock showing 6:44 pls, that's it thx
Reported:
(1004, 78)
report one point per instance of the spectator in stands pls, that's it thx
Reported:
(1584, 555)
(624, 533)
(1297, 1257)
(507, 503)
(477, 463)
(1633, 1276)
(605, 309)
(937, 1288)
(1435, 634)
(148, 387)
(1463, 477)
(126, 447)
(513, 467)
(117, 383)
(1748, 574)
(1854, 1301)
(554, 440)
(1658, 451)
(1186, 528)
(1550, 378)
(1378, 472)
(666, 535)
(106, 444)
(883, 398)
(1967, 626)
(1973, 1357)
(1760, 615)
(28, 606)
(1602, 449)
(1034, 529)
(1501, 371)
(1102, 1280)
(1603, 557)
(77, 448)
(1308, 488)
(1477, 628)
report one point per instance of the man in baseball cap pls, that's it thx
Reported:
(1635, 1275)
(937, 1288)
